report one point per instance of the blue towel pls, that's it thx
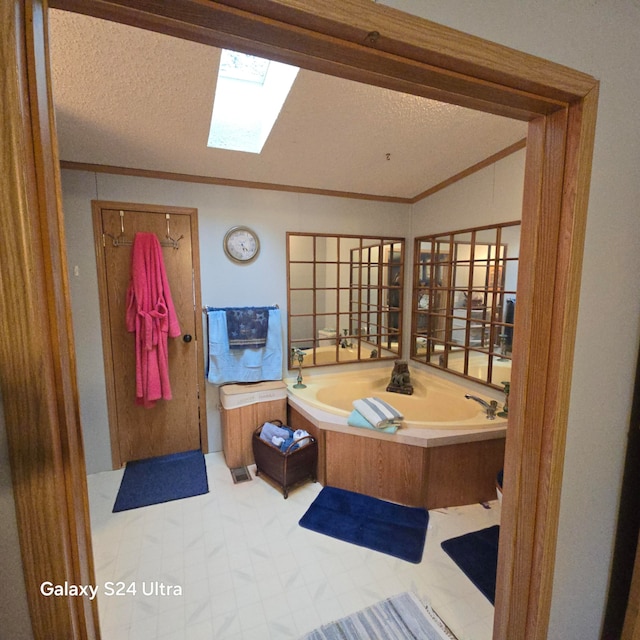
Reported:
(247, 327)
(356, 419)
(287, 443)
(270, 430)
(287, 434)
(243, 365)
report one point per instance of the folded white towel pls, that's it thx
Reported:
(299, 434)
(377, 412)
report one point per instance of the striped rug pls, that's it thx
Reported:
(401, 617)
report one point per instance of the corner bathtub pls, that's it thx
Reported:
(446, 452)
(436, 403)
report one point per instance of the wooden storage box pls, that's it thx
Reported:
(288, 468)
(243, 408)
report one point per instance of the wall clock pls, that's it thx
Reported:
(241, 244)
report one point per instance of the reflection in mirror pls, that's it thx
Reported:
(345, 297)
(300, 250)
(301, 276)
(464, 296)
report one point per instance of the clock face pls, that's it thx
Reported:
(241, 244)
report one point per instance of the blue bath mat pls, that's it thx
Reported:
(476, 554)
(161, 479)
(387, 527)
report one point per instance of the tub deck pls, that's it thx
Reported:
(423, 467)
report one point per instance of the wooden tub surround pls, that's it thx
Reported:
(420, 468)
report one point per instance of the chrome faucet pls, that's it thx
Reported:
(490, 407)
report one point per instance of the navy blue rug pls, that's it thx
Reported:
(161, 479)
(476, 554)
(387, 527)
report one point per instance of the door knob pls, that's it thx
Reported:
(187, 337)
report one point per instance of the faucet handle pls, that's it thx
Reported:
(491, 410)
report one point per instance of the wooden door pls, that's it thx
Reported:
(170, 426)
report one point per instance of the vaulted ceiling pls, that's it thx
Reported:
(125, 97)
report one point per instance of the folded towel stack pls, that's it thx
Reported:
(270, 431)
(283, 437)
(378, 413)
(356, 419)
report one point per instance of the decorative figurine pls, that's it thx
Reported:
(400, 379)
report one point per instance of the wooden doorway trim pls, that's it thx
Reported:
(631, 628)
(38, 370)
(362, 41)
(192, 214)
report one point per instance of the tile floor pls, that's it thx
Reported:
(247, 571)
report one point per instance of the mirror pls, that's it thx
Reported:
(344, 298)
(464, 296)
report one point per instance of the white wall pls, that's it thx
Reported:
(599, 37)
(262, 282)
(489, 196)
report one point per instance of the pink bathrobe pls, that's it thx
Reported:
(151, 314)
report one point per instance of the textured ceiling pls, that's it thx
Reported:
(133, 98)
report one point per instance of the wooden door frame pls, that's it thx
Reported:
(355, 39)
(97, 206)
(37, 361)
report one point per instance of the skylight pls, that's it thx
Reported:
(249, 96)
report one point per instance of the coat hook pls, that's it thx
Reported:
(120, 239)
(173, 241)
